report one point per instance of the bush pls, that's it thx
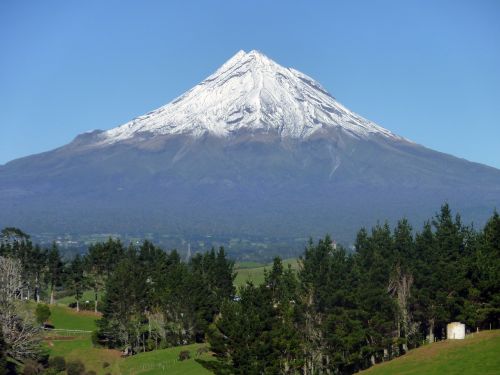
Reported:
(184, 355)
(96, 339)
(202, 350)
(105, 364)
(75, 368)
(57, 363)
(32, 368)
(42, 313)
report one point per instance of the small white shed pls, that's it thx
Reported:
(455, 331)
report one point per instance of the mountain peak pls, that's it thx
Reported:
(250, 92)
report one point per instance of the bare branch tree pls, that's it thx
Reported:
(18, 325)
(400, 288)
(10, 279)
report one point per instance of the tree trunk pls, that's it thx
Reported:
(430, 336)
(37, 290)
(52, 295)
(95, 300)
(78, 305)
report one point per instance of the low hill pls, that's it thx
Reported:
(477, 354)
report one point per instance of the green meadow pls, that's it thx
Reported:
(478, 354)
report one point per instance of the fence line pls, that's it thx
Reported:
(67, 332)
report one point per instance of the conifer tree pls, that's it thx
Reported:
(76, 279)
(54, 270)
(100, 261)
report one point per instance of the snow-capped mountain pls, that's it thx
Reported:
(250, 92)
(255, 152)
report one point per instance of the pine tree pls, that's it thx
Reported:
(100, 262)
(55, 270)
(76, 279)
(451, 283)
(242, 337)
(485, 275)
(223, 275)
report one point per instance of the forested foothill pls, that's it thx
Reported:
(342, 311)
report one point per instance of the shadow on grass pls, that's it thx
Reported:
(212, 365)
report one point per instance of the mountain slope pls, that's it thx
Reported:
(255, 151)
(250, 91)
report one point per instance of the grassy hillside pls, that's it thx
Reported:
(88, 295)
(165, 362)
(254, 272)
(477, 354)
(74, 347)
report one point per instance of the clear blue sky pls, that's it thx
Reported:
(427, 70)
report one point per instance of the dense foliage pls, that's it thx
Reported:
(154, 300)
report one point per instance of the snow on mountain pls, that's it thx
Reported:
(250, 92)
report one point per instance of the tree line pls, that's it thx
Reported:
(343, 310)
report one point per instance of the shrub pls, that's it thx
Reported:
(32, 368)
(75, 368)
(105, 364)
(96, 339)
(57, 363)
(184, 355)
(42, 313)
(201, 351)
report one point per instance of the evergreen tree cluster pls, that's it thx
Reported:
(345, 311)
(41, 268)
(154, 300)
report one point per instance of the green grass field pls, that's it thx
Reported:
(477, 354)
(254, 272)
(88, 295)
(62, 317)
